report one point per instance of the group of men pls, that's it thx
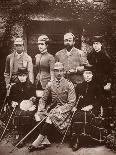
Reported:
(75, 76)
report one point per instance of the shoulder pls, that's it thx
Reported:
(94, 85)
(30, 85)
(68, 83)
(27, 56)
(50, 56)
(15, 86)
(105, 55)
(49, 85)
(77, 51)
(37, 55)
(37, 58)
(79, 87)
(9, 56)
(91, 54)
(60, 52)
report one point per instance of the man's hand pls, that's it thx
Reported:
(87, 108)
(14, 104)
(79, 68)
(74, 109)
(33, 99)
(59, 110)
(107, 87)
(8, 86)
(72, 71)
(32, 108)
(101, 111)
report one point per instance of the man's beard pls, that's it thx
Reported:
(68, 47)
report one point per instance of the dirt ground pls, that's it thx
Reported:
(55, 149)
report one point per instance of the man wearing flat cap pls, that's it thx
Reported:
(63, 98)
(72, 58)
(19, 58)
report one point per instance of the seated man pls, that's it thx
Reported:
(22, 97)
(63, 100)
(88, 106)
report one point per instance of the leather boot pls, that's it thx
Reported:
(75, 146)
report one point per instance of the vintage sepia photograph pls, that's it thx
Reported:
(58, 77)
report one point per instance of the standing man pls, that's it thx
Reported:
(15, 60)
(72, 58)
(63, 98)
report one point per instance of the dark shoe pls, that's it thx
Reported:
(46, 145)
(42, 146)
(21, 145)
(75, 147)
(16, 139)
(32, 148)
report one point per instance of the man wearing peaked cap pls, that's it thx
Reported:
(18, 41)
(58, 65)
(19, 58)
(63, 98)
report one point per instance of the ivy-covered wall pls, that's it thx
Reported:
(96, 18)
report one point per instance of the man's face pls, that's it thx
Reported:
(87, 76)
(42, 46)
(19, 48)
(97, 46)
(59, 73)
(68, 41)
(22, 77)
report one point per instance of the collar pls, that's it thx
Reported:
(19, 55)
(68, 53)
(58, 81)
(45, 52)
